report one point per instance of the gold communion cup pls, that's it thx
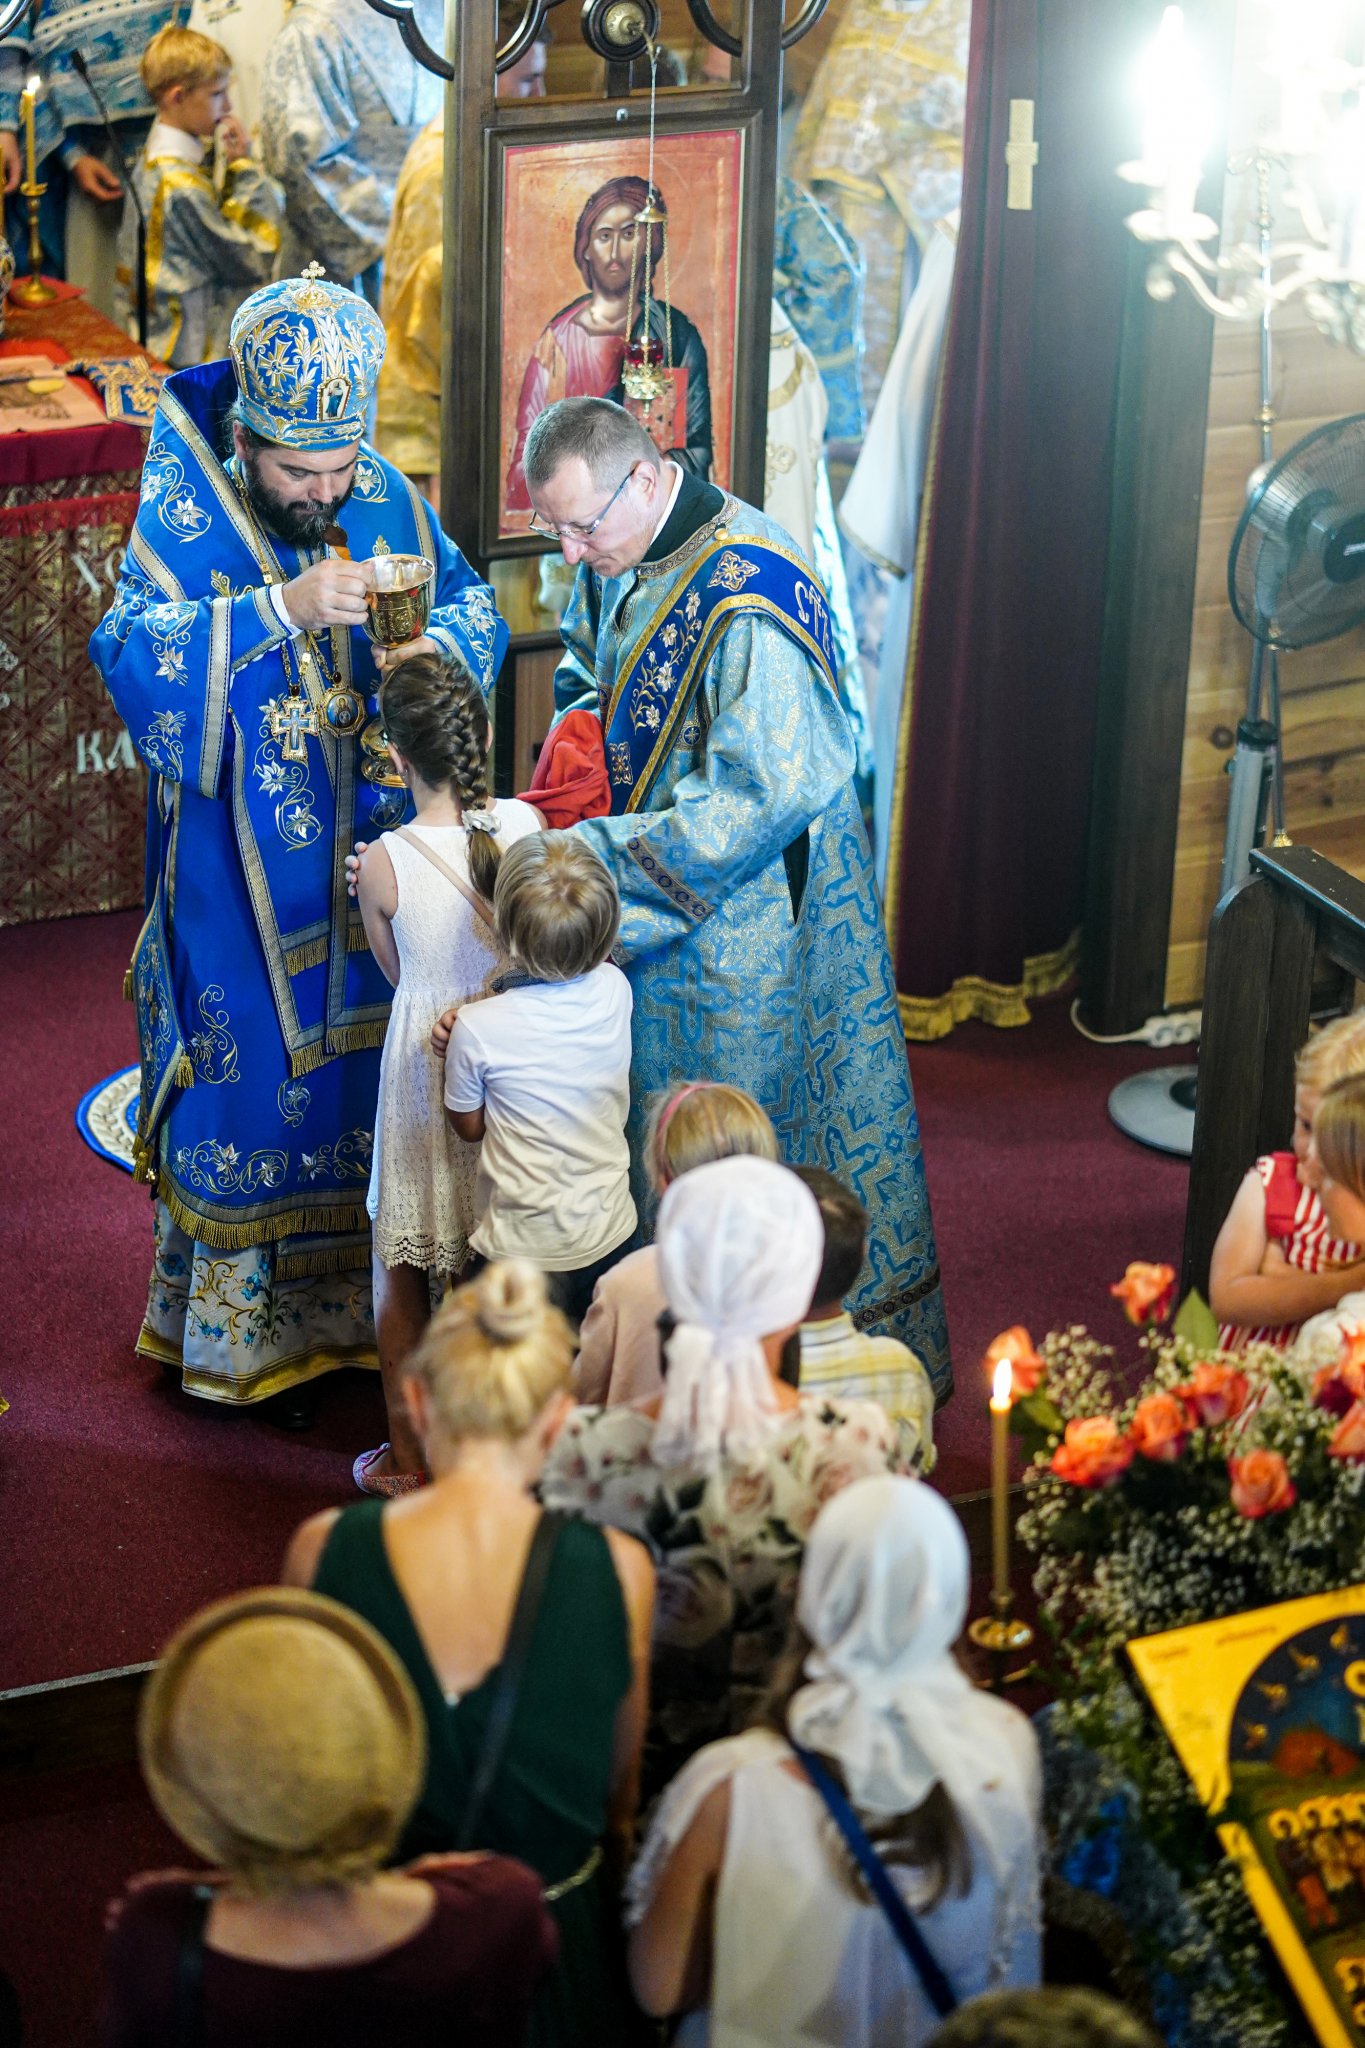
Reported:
(398, 596)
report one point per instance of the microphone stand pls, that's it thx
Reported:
(82, 70)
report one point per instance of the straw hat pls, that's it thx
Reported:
(282, 1739)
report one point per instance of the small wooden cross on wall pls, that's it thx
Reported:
(1021, 154)
(292, 721)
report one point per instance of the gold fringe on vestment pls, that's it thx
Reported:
(332, 1258)
(240, 1237)
(311, 954)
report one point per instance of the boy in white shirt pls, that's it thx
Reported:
(540, 1071)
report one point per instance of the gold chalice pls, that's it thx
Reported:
(398, 597)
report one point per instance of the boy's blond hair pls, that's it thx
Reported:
(1332, 1053)
(494, 1353)
(555, 906)
(181, 56)
(1339, 1133)
(695, 1122)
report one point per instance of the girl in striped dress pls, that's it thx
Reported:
(1277, 1260)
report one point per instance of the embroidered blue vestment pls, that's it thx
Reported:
(750, 926)
(260, 1009)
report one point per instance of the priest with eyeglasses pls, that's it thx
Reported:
(750, 925)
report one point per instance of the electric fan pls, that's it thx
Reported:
(1296, 576)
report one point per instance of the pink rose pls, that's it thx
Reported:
(1093, 1453)
(1261, 1484)
(1026, 1367)
(1160, 1428)
(1146, 1292)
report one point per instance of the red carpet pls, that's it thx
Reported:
(127, 1505)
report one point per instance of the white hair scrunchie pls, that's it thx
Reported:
(481, 820)
(740, 1243)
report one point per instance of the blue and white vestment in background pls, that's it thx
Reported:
(260, 1009)
(342, 102)
(750, 926)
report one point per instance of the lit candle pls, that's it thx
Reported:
(1002, 1393)
(28, 101)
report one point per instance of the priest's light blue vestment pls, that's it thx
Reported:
(750, 927)
(342, 102)
(260, 1010)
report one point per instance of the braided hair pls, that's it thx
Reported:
(435, 715)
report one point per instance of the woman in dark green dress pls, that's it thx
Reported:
(438, 1573)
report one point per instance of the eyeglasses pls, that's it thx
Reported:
(572, 529)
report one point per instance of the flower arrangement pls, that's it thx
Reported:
(1190, 1486)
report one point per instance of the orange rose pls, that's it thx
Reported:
(1026, 1367)
(1216, 1394)
(1160, 1428)
(1146, 1292)
(1261, 1484)
(1093, 1452)
(1348, 1438)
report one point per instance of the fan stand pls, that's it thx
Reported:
(1157, 1108)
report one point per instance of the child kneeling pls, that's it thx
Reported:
(540, 1071)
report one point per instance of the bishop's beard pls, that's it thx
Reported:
(302, 524)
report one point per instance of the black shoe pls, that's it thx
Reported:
(296, 1408)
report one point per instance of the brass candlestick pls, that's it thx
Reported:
(33, 290)
(1002, 1636)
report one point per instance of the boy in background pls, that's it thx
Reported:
(840, 1360)
(206, 249)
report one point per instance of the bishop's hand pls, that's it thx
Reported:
(353, 861)
(331, 593)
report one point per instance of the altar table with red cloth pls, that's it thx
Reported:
(72, 789)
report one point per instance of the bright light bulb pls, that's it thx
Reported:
(1177, 121)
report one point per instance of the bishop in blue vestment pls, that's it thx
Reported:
(232, 656)
(750, 926)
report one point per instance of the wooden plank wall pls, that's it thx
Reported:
(1323, 687)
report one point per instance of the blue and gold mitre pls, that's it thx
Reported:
(307, 354)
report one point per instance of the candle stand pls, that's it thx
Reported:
(33, 290)
(1002, 1636)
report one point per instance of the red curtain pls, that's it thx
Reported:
(984, 878)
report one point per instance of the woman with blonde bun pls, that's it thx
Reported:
(446, 1576)
(283, 1742)
(690, 1124)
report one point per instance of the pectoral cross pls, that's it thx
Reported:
(291, 723)
(1021, 154)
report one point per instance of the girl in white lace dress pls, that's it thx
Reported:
(424, 894)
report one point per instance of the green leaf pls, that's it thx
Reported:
(1196, 1323)
(1042, 1414)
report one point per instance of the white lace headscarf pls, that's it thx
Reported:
(740, 1243)
(883, 1597)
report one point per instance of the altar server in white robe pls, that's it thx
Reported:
(880, 509)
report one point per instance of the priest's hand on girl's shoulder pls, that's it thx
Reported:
(353, 861)
(386, 658)
(331, 593)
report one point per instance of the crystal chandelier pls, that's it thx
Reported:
(1307, 164)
